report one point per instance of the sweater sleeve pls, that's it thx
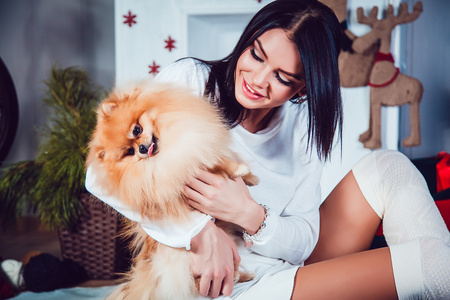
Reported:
(186, 73)
(289, 171)
(292, 234)
(178, 236)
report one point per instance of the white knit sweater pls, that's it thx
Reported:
(289, 174)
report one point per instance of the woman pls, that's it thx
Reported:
(288, 52)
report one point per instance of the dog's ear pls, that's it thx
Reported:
(108, 107)
(101, 154)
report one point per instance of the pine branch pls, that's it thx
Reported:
(52, 183)
(16, 186)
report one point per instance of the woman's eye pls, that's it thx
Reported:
(130, 152)
(277, 75)
(255, 56)
(283, 81)
(137, 130)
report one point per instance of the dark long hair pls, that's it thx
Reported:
(314, 28)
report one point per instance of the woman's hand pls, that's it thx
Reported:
(213, 258)
(226, 199)
(222, 198)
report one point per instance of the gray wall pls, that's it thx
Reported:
(427, 52)
(36, 34)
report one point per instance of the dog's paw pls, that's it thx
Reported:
(250, 179)
(241, 170)
(242, 276)
(244, 171)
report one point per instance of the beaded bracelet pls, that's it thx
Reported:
(248, 239)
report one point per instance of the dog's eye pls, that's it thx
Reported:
(130, 152)
(137, 130)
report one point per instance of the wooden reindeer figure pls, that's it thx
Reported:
(389, 87)
(354, 67)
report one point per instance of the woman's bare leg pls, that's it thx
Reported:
(337, 268)
(363, 275)
(385, 185)
(347, 222)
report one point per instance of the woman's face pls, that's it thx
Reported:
(269, 72)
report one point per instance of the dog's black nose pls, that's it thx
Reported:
(143, 149)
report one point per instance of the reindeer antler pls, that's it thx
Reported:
(382, 28)
(403, 15)
(369, 20)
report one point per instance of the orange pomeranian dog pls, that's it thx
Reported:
(149, 140)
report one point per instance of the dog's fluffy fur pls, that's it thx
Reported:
(148, 141)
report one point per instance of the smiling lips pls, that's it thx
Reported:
(249, 92)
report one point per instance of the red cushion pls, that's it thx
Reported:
(6, 291)
(444, 208)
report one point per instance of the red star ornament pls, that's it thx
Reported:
(154, 68)
(170, 44)
(129, 19)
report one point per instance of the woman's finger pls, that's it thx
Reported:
(205, 285)
(236, 256)
(190, 193)
(228, 282)
(195, 205)
(212, 260)
(216, 286)
(206, 177)
(194, 198)
(198, 185)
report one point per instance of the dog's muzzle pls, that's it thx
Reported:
(149, 150)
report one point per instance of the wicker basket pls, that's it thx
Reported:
(94, 243)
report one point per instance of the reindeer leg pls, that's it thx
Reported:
(375, 140)
(413, 139)
(364, 137)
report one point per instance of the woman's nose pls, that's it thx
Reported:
(261, 77)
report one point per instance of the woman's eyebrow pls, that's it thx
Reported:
(261, 48)
(296, 76)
